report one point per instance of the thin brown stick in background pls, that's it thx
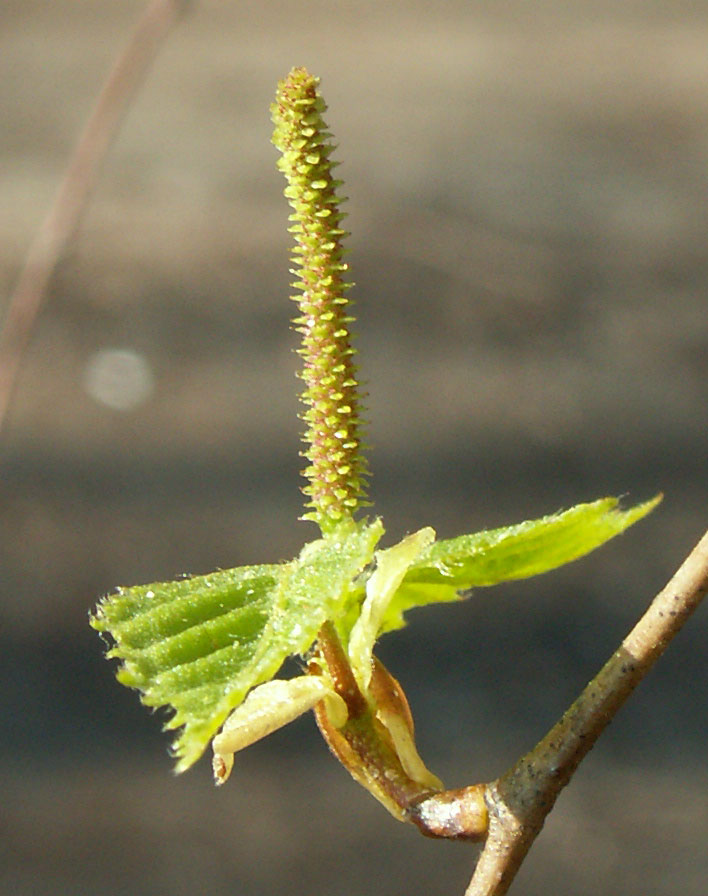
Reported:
(81, 174)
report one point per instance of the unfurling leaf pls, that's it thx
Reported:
(199, 645)
(453, 565)
(391, 567)
(268, 707)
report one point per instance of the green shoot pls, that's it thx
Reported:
(210, 647)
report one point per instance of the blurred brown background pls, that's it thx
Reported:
(528, 186)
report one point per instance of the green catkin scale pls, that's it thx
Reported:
(337, 471)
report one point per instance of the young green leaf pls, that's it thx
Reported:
(199, 645)
(383, 583)
(268, 707)
(453, 565)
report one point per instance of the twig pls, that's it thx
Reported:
(519, 801)
(63, 218)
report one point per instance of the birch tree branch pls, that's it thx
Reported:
(520, 800)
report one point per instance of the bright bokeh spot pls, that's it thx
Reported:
(119, 378)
